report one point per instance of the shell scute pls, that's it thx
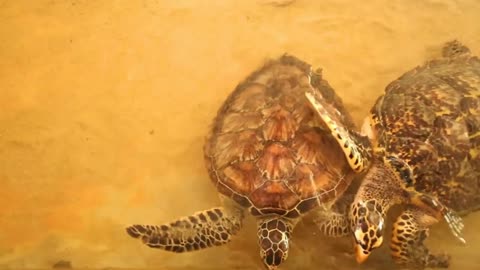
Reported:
(277, 162)
(276, 195)
(235, 122)
(408, 118)
(244, 177)
(253, 99)
(473, 127)
(470, 105)
(280, 124)
(450, 136)
(310, 180)
(242, 145)
(308, 143)
(461, 82)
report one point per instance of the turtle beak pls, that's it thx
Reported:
(360, 256)
(270, 267)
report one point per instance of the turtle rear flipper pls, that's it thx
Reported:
(439, 210)
(407, 245)
(201, 230)
(356, 148)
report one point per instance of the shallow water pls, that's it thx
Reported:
(105, 105)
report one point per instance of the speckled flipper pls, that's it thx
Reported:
(334, 222)
(356, 148)
(203, 229)
(425, 201)
(407, 247)
(436, 208)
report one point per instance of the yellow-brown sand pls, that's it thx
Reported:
(104, 106)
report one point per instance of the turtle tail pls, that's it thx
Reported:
(454, 48)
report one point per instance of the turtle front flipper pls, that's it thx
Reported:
(407, 245)
(203, 229)
(356, 148)
(333, 224)
(439, 210)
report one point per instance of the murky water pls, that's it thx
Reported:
(105, 104)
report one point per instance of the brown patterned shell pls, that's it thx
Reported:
(266, 150)
(430, 117)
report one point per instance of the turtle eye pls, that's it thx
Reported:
(362, 211)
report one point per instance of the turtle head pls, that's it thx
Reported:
(377, 193)
(273, 238)
(368, 225)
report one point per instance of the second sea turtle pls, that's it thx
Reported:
(425, 136)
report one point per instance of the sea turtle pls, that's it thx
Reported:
(270, 154)
(425, 141)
